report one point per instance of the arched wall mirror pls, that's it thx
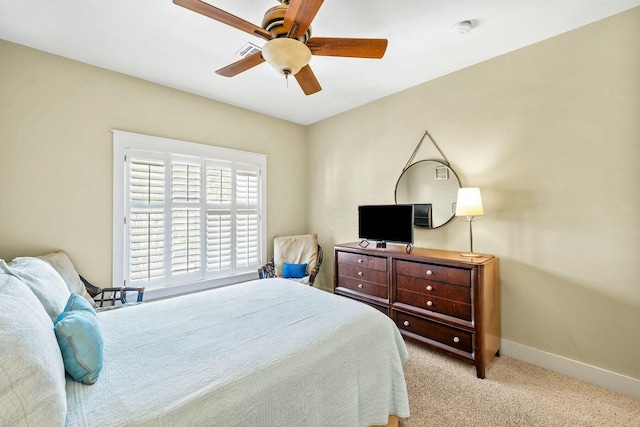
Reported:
(432, 187)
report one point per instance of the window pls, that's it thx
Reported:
(186, 214)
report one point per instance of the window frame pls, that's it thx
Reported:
(124, 141)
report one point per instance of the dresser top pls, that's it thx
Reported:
(399, 251)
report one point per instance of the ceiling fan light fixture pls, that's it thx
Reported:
(286, 56)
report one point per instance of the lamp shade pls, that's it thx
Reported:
(286, 56)
(469, 202)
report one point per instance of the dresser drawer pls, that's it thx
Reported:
(364, 287)
(438, 305)
(438, 273)
(449, 336)
(365, 261)
(437, 289)
(361, 273)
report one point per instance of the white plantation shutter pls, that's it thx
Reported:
(185, 182)
(218, 183)
(247, 239)
(247, 216)
(147, 181)
(146, 219)
(186, 226)
(247, 187)
(185, 240)
(219, 241)
(146, 256)
(219, 220)
(188, 218)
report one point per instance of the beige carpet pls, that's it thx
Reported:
(446, 392)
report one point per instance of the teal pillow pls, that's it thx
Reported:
(294, 271)
(80, 339)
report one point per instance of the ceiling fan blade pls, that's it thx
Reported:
(300, 13)
(307, 81)
(354, 48)
(243, 65)
(225, 17)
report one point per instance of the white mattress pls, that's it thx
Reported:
(263, 353)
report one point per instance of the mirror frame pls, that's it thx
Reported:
(438, 163)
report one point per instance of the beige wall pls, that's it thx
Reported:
(56, 117)
(551, 135)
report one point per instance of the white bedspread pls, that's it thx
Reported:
(263, 353)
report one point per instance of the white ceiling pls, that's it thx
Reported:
(159, 41)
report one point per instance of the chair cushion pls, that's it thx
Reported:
(60, 261)
(32, 380)
(294, 271)
(80, 338)
(302, 249)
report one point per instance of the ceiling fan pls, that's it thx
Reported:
(287, 29)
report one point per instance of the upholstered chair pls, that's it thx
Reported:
(294, 257)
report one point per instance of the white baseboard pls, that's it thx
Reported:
(601, 377)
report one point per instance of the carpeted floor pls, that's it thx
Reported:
(446, 392)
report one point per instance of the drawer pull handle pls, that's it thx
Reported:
(360, 285)
(429, 272)
(360, 273)
(429, 288)
(406, 323)
(429, 303)
(456, 339)
(360, 261)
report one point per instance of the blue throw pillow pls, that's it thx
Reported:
(294, 271)
(80, 339)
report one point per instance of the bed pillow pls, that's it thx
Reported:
(79, 336)
(294, 271)
(43, 280)
(61, 262)
(32, 379)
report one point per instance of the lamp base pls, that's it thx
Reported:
(471, 255)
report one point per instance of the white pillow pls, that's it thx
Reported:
(32, 377)
(60, 261)
(44, 281)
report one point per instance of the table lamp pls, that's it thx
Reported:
(469, 208)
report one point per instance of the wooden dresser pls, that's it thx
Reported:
(438, 298)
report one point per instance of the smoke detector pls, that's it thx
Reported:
(462, 27)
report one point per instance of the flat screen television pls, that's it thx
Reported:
(386, 223)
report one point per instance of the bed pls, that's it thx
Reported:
(262, 353)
